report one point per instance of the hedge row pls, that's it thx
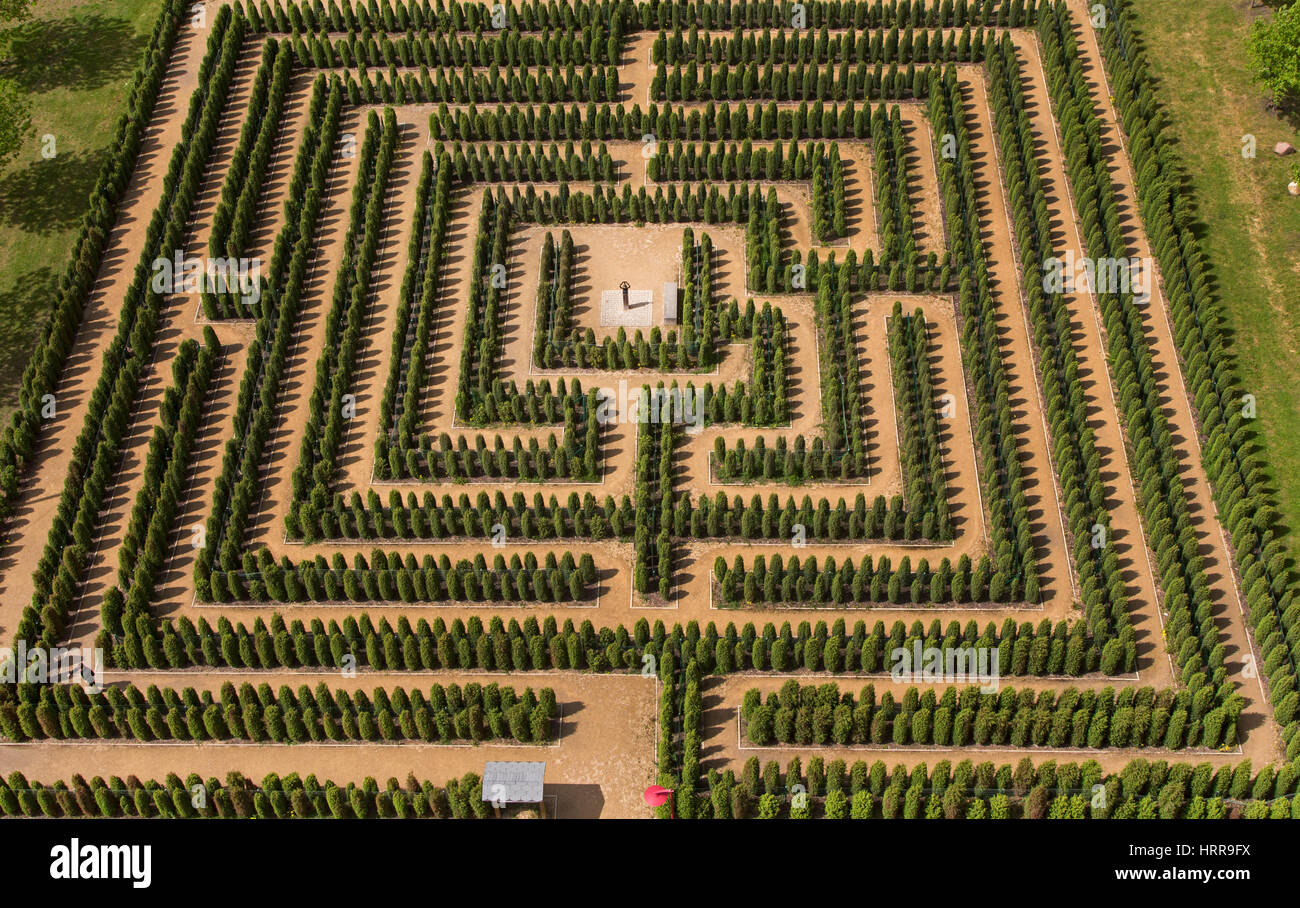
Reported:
(1230, 451)
(769, 386)
(45, 365)
(805, 584)
(236, 211)
(996, 442)
(1141, 790)
(802, 82)
(356, 641)
(827, 208)
(679, 748)
(476, 713)
(764, 242)
(330, 404)
(652, 560)
(699, 313)
(820, 48)
(725, 162)
(1192, 635)
(431, 518)
(553, 325)
(483, 340)
(1137, 717)
(147, 543)
(1025, 649)
(392, 579)
(892, 184)
(291, 797)
(236, 487)
(670, 15)
(399, 408)
(510, 50)
(97, 452)
(793, 464)
(717, 518)
(1077, 462)
(537, 403)
(516, 163)
(713, 122)
(918, 417)
(605, 205)
(841, 381)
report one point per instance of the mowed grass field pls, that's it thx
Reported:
(1249, 224)
(76, 59)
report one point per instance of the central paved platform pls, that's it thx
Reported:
(638, 313)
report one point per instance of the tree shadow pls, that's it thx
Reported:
(1286, 109)
(50, 194)
(23, 311)
(76, 52)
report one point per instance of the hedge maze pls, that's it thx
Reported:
(409, 473)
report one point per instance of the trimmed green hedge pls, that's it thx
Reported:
(474, 713)
(275, 797)
(1141, 790)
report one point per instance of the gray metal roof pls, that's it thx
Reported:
(513, 782)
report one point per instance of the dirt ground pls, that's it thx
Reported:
(607, 753)
(602, 762)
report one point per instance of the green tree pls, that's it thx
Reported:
(15, 119)
(12, 11)
(1273, 47)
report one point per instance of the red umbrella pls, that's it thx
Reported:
(658, 796)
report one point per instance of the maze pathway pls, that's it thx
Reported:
(416, 458)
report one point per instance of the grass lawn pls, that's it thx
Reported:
(1249, 224)
(76, 59)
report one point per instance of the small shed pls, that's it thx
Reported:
(514, 783)
(670, 303)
